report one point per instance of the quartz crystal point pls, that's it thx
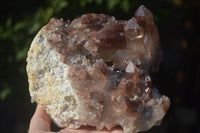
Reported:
(95, 71)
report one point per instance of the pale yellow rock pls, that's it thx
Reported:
(48, 82)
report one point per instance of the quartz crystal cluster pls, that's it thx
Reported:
(95, 71)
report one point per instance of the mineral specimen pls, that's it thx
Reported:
(95, 71)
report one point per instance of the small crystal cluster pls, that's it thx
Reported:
(95, 71)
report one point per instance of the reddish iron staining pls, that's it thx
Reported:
(133, 105)
(110, 61)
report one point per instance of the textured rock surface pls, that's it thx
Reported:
(96, 71)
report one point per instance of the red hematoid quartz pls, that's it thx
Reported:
(123, 54)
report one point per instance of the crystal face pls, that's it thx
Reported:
(95, 71)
